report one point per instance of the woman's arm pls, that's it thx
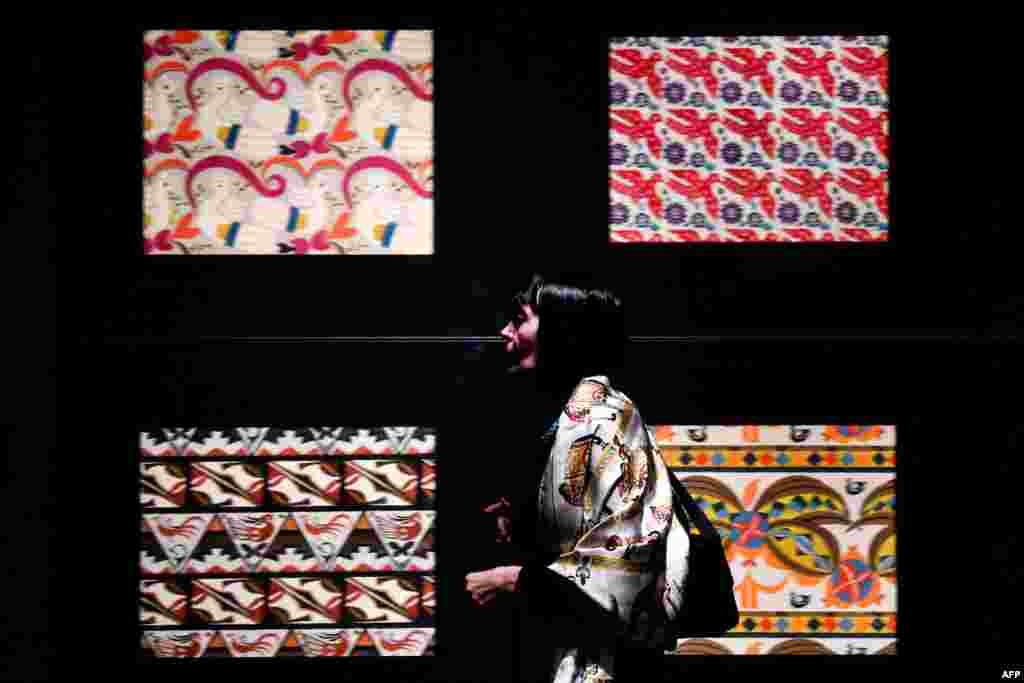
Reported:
(486, 584)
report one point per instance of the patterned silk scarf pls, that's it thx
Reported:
(605, 504)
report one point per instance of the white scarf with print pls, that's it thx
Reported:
(605, 504)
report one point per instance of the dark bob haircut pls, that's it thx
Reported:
(582, 331)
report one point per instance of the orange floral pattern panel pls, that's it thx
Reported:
(288, 142)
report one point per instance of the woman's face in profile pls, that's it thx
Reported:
(520, 335)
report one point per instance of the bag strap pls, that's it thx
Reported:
(681, 497)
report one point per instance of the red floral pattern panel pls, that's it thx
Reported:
(749, 139)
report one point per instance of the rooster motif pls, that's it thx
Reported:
(866, 127)
(261, 645)
(636, 128)
(696, 188)
(400, 527)
(752, 127)
(185, 529)
(325, 644)
(255, 529)
(408, 642)
(811, 66)
(333, 525)
(640, 189)
(185, 645)
(633, 64)
(750, 66)
(695, 128)
(869, 66)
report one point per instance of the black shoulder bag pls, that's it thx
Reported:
(709, 602)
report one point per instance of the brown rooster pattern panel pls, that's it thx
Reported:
(274, 542)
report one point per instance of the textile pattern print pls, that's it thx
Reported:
(749, 139)
(807, 514)
(288, 142)
(270, 542)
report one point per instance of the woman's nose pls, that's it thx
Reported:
(506, 332)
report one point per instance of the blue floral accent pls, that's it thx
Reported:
(731, 92)
(618, 93)
(675, 153)
(618, 154)
(789, 153)
(731, 213)
(847, 212)
(676, 214)
(675, 92)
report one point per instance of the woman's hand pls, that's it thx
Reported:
(486, 584)
(502, 509)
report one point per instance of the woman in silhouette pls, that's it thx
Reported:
(600, 558)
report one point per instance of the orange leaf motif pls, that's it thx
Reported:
(749, 491)
(663, 433)
(185, 131)
(184, 229)
(342, 132)
(186, 36)
(341, 229)
(341, 37)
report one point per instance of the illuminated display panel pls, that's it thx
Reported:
(749, 139)
(268, 542)
(288, 142)
(808, 517)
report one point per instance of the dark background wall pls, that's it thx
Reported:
(920, 332)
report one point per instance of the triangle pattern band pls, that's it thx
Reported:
(326, 533)
(254, 643)
(178, 535)
(253, 534)
(397, 642)
(401, 532)
(332, 643)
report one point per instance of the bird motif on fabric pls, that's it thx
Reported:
(695, 128)
(746, 183)
(808, 126)
(254, 529)
(752, 127)
(695, 67)
(400, 527)
(808, 187)
(635, 127)
(869, 66)
(867, 127)
(750, 66)
(867, 186)
(811, 66)
(633, 64)
(186, 528)
(696, 188)
(640, 189)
